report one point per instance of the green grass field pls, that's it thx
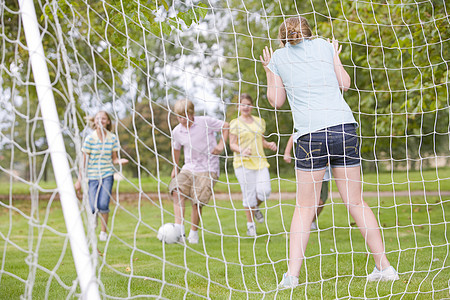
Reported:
(426, 180)
(227, 263)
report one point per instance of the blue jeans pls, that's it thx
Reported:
(337, 146)
(100, 194)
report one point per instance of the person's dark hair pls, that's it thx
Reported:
(294, 30)
(246, 96)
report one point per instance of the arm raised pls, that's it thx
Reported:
(341, 74)
(276, 94)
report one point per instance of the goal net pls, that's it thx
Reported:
(135, 59)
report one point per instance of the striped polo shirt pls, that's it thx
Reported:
(100, 154)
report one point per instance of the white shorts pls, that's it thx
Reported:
(255, 185)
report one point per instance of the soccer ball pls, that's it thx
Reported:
(168, 233)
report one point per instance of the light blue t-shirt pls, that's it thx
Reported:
(311, 85)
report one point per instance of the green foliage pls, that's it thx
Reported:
(396, 54)
(397, 57)
(134, 21)
(193, 15)
(101, 41)
(145, 137)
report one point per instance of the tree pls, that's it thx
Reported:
(21, 133)
(398, 57)
(145, 137)
(90, 47)
(396, 54)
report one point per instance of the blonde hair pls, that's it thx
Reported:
(184, 108)
(246, 96)
(294, 30)
(91, 120)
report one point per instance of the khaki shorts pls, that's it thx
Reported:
(197, 187)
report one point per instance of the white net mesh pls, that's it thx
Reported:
(135, 59)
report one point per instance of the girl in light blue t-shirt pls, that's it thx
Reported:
(309, 73)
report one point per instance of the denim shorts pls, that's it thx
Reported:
(337, 146)
(100, 194)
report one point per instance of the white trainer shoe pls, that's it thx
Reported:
(259, 217)
(251, 230)
(103, 236)
(288, 282)
(193, 237)
(313, 226)
(388, 274)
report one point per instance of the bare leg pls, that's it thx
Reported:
(323, 197)
(178, 207)
(308, 193)
(249, 213)
(195, 216)
(319, 210)
(104, 220)
(258, 202)
(348, 181)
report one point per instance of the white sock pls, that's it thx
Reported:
(250, 224)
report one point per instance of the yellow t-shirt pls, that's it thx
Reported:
(249, 136)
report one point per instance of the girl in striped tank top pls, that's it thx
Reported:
(100, 150)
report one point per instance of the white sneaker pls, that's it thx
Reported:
(313, 225)
(193, 237)
(251, 230)
(259, 217)
(388, 274)
(288, 282)
(103, 236)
